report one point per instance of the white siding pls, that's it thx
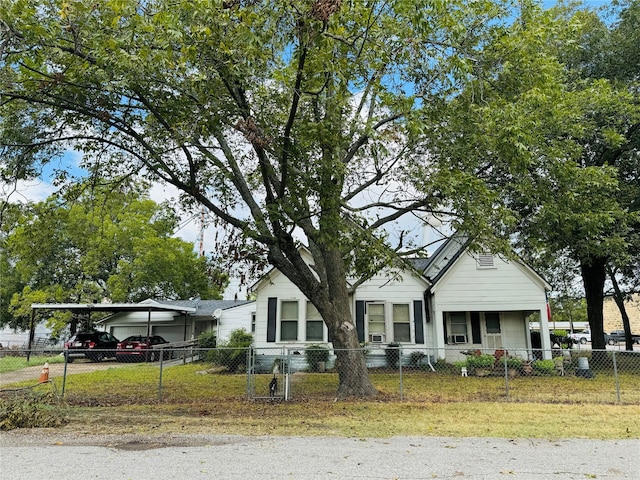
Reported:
(278, 286)
(404, 288)
(235, 318)
(507, 287)
(388, 289)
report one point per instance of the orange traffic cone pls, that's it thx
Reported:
(44, 375)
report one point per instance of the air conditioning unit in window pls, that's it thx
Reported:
(376, 338)
(458, 339)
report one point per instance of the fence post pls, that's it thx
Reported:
(286, 370)
(506, 374)
(615, 374)
(250, 371)
(64, 375)
(160, 376)
(400, 370)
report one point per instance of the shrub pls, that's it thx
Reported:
(480, 361)
(207, 340)
(544, 367)
(31, 410)
(392, 352)
(459, 364)
(514, 362)
(315, 354)
(233, 353)
(415, 359)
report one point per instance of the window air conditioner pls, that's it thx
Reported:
(376, 337)
(458, 339)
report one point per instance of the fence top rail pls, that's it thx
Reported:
(185, 343)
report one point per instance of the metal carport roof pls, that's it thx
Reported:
(106, 307)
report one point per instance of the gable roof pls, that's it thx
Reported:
(437, 265)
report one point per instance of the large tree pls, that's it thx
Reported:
(286, 120)
(556, 133)
(91, 244)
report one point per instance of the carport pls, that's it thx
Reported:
(89, 308)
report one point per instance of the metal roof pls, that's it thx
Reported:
(114, 307)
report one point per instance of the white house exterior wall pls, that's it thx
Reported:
(506, 287)
(509, 288)
(502, 288)
(276, 285)
(165, 324)
(403, 288)
(235, 318)
(387, 289)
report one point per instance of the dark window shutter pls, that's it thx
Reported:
(360, 320)
(271, 319)
(475, 327)
(417, 318)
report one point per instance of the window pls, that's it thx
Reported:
(253, 322)
(376, 322)
(314, 324)
(289, 321)
(493, 322)
(458, 332)
(401, 323)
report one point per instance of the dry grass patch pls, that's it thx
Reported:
(363, 419)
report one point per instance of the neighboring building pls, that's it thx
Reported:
(613, 318)
(197, 316)
(13, 338)
(445, 304)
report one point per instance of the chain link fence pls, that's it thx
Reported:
(192, 374)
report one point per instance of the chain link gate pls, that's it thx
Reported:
(268, 374)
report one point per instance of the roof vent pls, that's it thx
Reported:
(485, 260)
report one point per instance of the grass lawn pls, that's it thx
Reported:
(10, 363)
(125, 399)
(364, 419)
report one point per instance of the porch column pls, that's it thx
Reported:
(438, 332)
(545, 340)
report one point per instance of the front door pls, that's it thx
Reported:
(494, 333)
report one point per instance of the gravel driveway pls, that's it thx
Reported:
(29, 454)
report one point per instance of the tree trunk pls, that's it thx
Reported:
(330, 295)
(350, 359)
(619, 299)
(593, 271)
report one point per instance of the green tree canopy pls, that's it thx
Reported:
(95, 244)
(286, 120)
(555, 133)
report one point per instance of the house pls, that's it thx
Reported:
(179, 320)
(451, 302)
